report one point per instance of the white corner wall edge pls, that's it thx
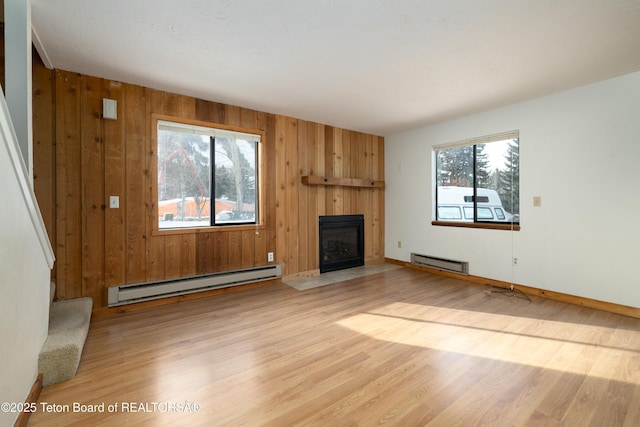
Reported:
(9, 138)
(25, 274)
(40, 49)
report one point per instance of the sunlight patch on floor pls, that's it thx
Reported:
(522, 340)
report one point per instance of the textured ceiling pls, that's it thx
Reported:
(369, 65)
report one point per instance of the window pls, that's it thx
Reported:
(478, 180)
(207, 176)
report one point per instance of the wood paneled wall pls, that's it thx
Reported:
(82, 159)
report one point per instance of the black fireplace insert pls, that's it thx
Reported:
(341, 242)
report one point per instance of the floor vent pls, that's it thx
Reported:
(127, 294)
(461, 267)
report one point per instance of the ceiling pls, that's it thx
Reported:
(376, 66)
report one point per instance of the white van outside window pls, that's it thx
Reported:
(456, 204)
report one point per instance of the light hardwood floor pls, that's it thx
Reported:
(397, 348)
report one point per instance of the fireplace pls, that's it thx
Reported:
(341, 242)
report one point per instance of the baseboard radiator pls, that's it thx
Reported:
(127, 294)
(461, 267)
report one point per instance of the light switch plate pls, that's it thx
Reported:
(114, 202)
(537, 201)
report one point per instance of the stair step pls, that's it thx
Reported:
(68, 327)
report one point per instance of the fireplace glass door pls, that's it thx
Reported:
(341, 242)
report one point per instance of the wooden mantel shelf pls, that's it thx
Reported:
(342, 182)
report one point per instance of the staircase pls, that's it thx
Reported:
(68, 327)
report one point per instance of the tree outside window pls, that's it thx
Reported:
(207, 176)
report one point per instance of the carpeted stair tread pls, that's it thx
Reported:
(68, 327)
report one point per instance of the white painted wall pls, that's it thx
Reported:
(25, 261)
(18, 82)
(579, 151)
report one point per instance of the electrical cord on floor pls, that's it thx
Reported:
(492, 289)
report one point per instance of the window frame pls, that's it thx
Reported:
(476, 223)
(260, 221)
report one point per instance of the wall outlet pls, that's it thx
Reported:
(114, 202)
(399, 243)
(270, 257)
(515, 261)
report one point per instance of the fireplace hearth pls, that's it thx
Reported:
(341, 242)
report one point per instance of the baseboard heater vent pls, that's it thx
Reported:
(461, 267)
(127, 294)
